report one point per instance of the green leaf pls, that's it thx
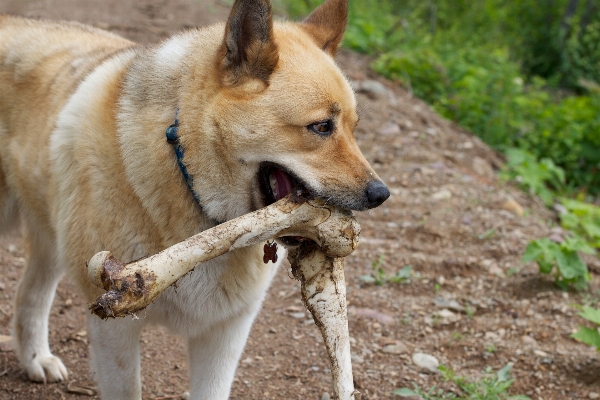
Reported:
(570, 265)
(367, 278)
(405, 392)
(591, 314)
(588, 336)
(533, 251)
(519, 397)
(504, 373)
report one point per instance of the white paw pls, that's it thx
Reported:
(45, 369)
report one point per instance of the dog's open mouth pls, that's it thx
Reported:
(276, 183)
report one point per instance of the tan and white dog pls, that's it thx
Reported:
(85, 166)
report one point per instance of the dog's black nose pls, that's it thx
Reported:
(377, 193)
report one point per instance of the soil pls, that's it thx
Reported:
(449, 217)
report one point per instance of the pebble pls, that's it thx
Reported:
(298, 315)
(449, 304)
(496, 270)
(398, 348)
(540, 353)
(2, 286)
(514, 207)
(390, 129)
(426, 361)
(443, 194)
(593, 395)
(357, 359)
(372, 88)
(6, 343)
(185, 396)
(482, 168)
(325, 396)
(370, 313)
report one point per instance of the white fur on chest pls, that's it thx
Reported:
(216, 291)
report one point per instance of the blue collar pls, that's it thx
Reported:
(173, 138)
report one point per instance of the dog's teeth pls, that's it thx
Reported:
(273, 183)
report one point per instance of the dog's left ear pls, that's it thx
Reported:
(327, 24)
(248, 49)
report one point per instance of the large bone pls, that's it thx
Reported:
(318, 264)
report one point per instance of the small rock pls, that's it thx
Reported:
(69, 302)
(482, 168)
(371, 314)
(390, 129)
(6, 343)
(466, 219)
(398, 348)
(514, 207)
(540, 353)
(495, 270)
(526, 339)
(325, 396)
(357, 359)
(298, 315)
(2, 286)
(373, 89)
(449, 304)
(593, 395)
(443, 194)
(426, 361)
(493, 336)
(185, 396)
(466, 145)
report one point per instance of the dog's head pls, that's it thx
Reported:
(282, 116)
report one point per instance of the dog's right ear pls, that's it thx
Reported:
(248, 50)
(327, 23)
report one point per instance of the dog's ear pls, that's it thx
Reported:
(327, 24)
(248, 49)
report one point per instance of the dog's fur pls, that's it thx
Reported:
(85, 167)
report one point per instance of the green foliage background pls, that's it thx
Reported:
(521, 74)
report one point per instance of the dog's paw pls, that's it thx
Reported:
(46, 369)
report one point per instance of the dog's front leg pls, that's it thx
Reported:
(115, 357)
(214, 355)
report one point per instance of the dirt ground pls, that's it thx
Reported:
(449, 217)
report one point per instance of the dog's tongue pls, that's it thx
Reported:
(281, 184)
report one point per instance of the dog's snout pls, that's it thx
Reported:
(377, 193)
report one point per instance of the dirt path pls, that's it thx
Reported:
(448, 218)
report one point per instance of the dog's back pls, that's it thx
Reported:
(41, 65)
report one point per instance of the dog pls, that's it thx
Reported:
(107, 145)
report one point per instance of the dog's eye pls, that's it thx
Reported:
(323, 128)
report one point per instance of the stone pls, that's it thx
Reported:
(526, 339)
(426, 362)
(6, 343)
(373, 89)
(482, 168)
(593, 395)
(298, 315)
(514, 207)
(449, 304)
(380, 317)
(325, 396)
(540, 353)
(390, 129)
(398, 348)
(443, 194)
(357, 359)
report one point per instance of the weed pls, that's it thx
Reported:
(561, 260)
(490, 387)
(379, 277)
(590, 336)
